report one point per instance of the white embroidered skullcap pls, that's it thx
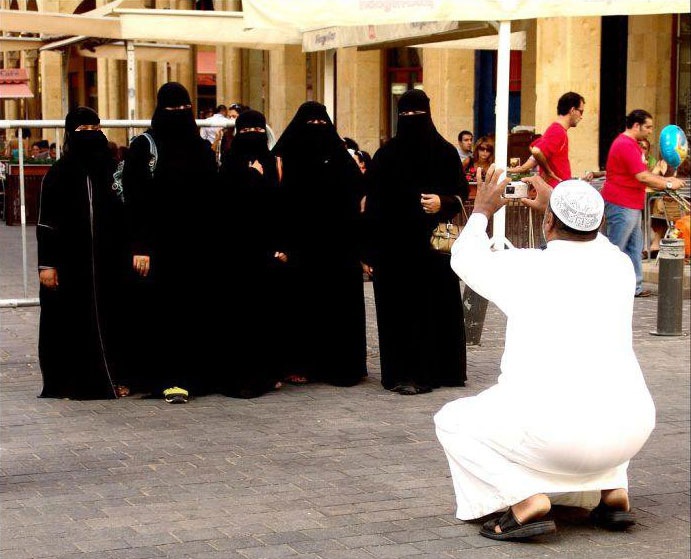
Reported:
(577, 205)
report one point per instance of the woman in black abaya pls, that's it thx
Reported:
(81, 258)
(414, 182)
(252, 236)
(323, 188)
(169, 250)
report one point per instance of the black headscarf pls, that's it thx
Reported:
(250, 145)
(310, 140)
(414, 132)
(89, 147)
(178, 125)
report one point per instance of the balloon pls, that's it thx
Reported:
(673, 145)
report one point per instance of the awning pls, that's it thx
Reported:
(316, 14)
(200, 27)
(177, 26)
(151, 52)
(13, 84)
(475, 35)
(59, 24)
(9, 44)
(15, 91)
(488, 42)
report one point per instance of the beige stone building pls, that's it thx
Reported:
(617, 63)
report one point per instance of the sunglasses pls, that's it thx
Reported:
(485, 148)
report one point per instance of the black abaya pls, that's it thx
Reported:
(80, 234)
(323, 187)
(170, 323)
(417, 294)
(252, 339)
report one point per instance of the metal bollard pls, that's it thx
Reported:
(670, 287)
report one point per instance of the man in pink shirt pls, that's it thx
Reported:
(624, 190)
(551, 150)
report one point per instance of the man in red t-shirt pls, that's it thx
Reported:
(624, 190)
(551, 150)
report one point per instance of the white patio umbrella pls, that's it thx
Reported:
(311, 16)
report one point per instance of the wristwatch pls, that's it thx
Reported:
(668, 185)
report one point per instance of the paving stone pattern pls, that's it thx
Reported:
(314, 472)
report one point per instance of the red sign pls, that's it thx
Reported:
(14, 75)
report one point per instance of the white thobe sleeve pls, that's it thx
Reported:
(492, 274)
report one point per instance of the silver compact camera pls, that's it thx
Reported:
(516, 189)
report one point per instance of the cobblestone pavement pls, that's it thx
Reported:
(311, 472)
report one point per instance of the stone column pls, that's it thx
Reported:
(287, 87)
(50, 68)
(359, 96)
(228, 75)
(228, 64)
(528, 75)
(186, 74)
(11, 106)
(146, 89)
(449, 81)
(112, 96)
(568, 59)
(648, 69)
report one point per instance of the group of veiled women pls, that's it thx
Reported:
(264, 284)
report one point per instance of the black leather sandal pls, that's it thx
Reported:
(609, 518)
(512, 529)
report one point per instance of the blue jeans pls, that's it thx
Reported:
(624, 230)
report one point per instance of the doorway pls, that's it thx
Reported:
(613, 55)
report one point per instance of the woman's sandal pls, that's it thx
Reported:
(122, 391)
(410, 389)
(511, 529)
(604, 516)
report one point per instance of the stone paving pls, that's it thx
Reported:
(312, 472)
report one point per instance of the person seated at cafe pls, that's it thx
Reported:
(465, 148)
(483, 157)
(12, 148)
(40, 151)
(53, 151)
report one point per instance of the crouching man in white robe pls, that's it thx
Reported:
(571, 407)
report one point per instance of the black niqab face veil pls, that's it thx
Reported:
(173, 119)
(310, 138)
(250, 145)
(414, 128)
(85, 145)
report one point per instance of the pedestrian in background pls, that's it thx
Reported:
(167, 316)
(624, 190)
(551, 150)
(323, 188)
(414, 182)
(81, 259)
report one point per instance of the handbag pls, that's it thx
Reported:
(446, 232)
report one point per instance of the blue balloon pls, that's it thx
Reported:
(673, 145)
